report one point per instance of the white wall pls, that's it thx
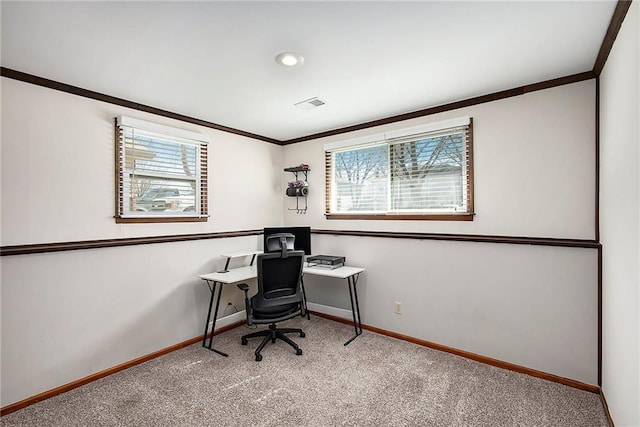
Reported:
(67, 315)
(534, 168)
(532, 306)
(58, 172)
(620, 222)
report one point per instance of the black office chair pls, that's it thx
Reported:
(279, 294)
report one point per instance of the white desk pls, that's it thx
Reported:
(230, 255)
(242, 274)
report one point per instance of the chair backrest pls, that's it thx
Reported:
(280, 242)
(280, 273)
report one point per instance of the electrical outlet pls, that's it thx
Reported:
(398, 307)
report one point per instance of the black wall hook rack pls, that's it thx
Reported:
(299, 192)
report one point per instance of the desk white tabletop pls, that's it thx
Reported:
(240, 274)
(232, 276)
(340, 272)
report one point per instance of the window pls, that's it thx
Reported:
(424, 172)
(161, 173)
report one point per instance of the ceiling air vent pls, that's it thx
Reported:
(309, 104)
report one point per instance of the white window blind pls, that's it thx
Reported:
(425, 173)
(360, 179)
(429, 172)
(162, 171)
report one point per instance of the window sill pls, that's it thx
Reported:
(405, 217)
(147, 220)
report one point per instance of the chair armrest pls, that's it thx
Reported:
(247, 305)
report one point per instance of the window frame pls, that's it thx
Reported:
(172, 135)
(388, 139)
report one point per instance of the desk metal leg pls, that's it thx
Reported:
(304, 298)
(355, 306)
(212, 288)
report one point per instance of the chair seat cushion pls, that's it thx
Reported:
(261, 308)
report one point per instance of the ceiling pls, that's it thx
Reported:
(214, 61)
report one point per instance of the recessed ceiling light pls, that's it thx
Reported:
(290, 59)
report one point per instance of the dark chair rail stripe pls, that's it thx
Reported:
(514, 240)
(109, 243)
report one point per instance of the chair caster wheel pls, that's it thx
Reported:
(244, 342)
(299, 351)
(258, 357)
(302, 335)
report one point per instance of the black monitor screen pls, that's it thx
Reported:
(302, 241)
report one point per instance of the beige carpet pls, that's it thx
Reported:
(374, 381)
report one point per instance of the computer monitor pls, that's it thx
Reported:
(302, 235)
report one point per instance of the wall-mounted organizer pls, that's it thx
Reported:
(299, 188)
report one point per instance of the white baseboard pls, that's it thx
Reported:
(333, 311)
(228, 320)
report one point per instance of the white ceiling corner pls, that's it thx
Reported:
(214, 60)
